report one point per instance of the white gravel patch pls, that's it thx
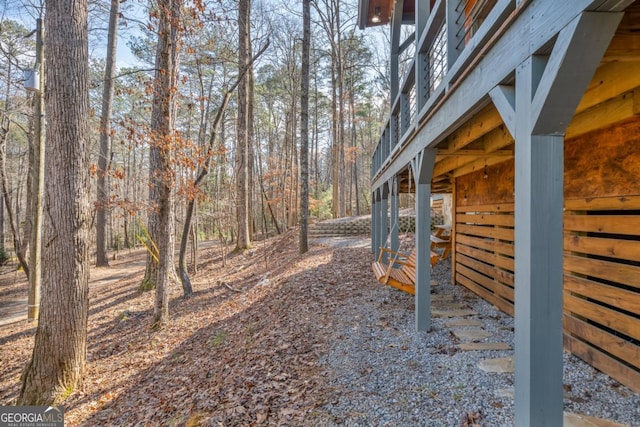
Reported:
(384, 373)
(357, 241)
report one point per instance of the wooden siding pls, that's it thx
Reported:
(602, 250)
(484, 234)
(602, 287)
(601, 246)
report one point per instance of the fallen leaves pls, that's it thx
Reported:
(471, 419)
(243, 350)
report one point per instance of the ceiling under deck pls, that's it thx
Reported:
(372, 13)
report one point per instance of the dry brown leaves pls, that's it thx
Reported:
(243, 350)
(471, 419)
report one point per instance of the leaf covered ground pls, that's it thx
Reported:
(243, 350)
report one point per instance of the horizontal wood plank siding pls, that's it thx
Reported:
(602, 283)
(610, 224)
(602, 315)
(604, 270)
(603, 204)
(601, 361)
(602, 275)
(604, 247)
(484, 233)
(599, 338)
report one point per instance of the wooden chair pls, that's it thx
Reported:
(402, 277)
(441, 243)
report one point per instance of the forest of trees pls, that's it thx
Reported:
(214, 126)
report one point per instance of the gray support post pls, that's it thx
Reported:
(423, 10)
(384, 219)
(423, 169)
(395, 214)
(375, 215)
(538, 280)
(538, 264)
(396, 25)
(394, 76)
(547, 92)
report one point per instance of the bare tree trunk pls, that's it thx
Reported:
(55, 370)
(105, 136)
(250, 136)
(242, 157)
(264, 195)
(187, 289)
(304, 127)
(3, 249)
(126, 219)
(335, 144)
(5, 124)
(316, 134)
(202, 174)
(287, 171)
(194, 241)
(162, 173)
(331, 22)
(353, 189)
(340, 123)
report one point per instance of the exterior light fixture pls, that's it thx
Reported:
(486, 175)
(376, 15)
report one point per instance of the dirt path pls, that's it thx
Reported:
(13, 285)
(244, 347)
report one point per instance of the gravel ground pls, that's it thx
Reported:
(343, 242)
(384, 373)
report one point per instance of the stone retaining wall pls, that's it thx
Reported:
(360, 225)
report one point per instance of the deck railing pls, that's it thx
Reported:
(453, 35)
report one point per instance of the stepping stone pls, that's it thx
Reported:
(452, 313)
(462, 322)
(450, 305)
(483, 346)
(499, 365)
(442, 297)
(471, 334)
(434, 282)
(576, 420)
(509, 393)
